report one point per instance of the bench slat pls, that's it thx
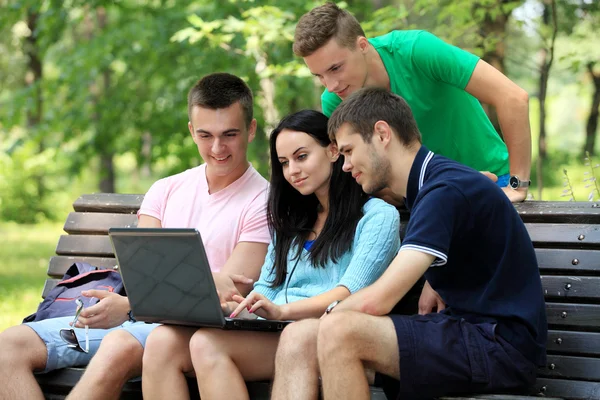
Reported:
(571, 287)
(572, 235)
(576, 315)
(59, 264)
(568, 259)
(568, 367)
(84, 245)
(48, 286)
(109, 202)
(97, 223)
(577, 390)
(566, 342)
(559, 211)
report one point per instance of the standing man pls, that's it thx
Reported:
(442, 84)
(224, 198)
(467, 239)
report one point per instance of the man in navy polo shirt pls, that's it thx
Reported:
(466, 238)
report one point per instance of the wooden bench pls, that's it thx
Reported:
(566, 236)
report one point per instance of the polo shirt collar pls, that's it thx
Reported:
(416, 177)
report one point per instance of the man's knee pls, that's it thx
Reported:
(21, 347)
(118, 350)
(299, 340)
(337, 331)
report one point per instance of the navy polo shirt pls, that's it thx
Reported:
(485, 267)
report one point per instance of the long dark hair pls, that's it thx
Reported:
(292, 215)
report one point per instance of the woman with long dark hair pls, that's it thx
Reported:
(329, 239)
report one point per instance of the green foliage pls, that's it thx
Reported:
(21, 165)
(116, 75)
(25, 252)
(470, 24)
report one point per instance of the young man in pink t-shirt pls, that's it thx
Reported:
(224, 198)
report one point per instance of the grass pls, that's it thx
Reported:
(24, 254)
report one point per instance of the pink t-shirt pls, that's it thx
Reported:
(234, 214)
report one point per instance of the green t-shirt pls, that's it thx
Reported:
(431, 76)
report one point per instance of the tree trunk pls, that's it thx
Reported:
(33, 79)
(546, 63)
(107, 174)
(543, 87)
(494, 27)
(592, 122)
(107, 169)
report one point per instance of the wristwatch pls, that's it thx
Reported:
(331, 306)
(515, 183)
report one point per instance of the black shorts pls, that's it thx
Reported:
(442, 355)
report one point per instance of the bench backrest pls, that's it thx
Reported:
(566, 236)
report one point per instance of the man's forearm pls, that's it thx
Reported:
(381, 297)
(513, 116)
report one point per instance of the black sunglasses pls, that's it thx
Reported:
(68, 334)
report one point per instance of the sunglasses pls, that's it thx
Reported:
(68, 334)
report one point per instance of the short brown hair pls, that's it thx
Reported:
(363, 108)
(221, 90)
(322, 23)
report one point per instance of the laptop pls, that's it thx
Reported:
(168, 280)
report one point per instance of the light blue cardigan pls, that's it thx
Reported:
(376, 243)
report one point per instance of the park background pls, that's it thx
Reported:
(93, 96)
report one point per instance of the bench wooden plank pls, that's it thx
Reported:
(574, 315)
(109, 202)
(559, 211)
(564, 235)
(569, 367)
(48, 286)
(571, 287)
(84, 245)
(575, 261)
(59, 264)
(567, 342)
(576, 390)
(97, 223)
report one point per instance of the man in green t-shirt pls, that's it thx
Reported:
(442, 84)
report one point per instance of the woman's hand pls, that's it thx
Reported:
(258, 304)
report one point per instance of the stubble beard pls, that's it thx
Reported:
(381, 169)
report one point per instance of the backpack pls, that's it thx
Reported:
(60, 301)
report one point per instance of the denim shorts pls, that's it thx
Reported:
(61, 356)
(443, 355)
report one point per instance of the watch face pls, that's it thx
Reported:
(514, 182)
